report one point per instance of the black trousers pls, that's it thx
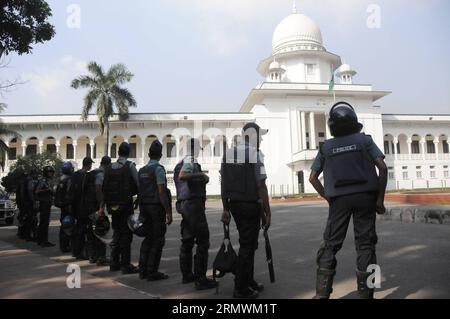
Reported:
(85, 242)
(248, 221)
(65, 241)
(194, 230)
(152, 246)
(122, 235)
(44, 221)
(29, 226)
(363, 209)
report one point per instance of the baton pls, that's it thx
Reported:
(269, 257)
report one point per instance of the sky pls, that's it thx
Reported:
(201, 55)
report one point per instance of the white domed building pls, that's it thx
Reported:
(292, 102)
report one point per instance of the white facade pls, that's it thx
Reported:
(293, 103)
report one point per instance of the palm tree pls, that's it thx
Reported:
(106, 91)
(4, 131)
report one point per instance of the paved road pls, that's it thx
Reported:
(414, 259)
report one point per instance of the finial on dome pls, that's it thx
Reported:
(294, 7)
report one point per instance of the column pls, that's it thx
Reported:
(409, 142)
(303, 120)
(177, 148)
(422, 144)
(92, 145)
(436, 147)
(24, 148)
(327, 128)
(395, 148)
(143, 151)
(58, 146)
(211, 150)
(312, 132)
(41, 147)
(75, 144)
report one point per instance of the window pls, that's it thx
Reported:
(405, 175)
(432, 172)
(310, 69)
(391, 175)
(419, 174)
(51, 148)
(31, 150)
(170, 149)
(321, 134)
(415, 148)
(12, 154)
(386, 148)
(95, 151)
(430, 147)
(445, 147)
(133, 150)
(69, 151)
(114, 150)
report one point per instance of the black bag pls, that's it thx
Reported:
(226, 258)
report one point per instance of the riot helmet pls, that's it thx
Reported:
(102, 228)
(67, 168)
(343, 120)
(68, 225)
(137, 225)
(47, 170)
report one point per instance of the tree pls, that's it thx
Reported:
(5, 132)
(27, 163)
(106, 91)
(22, 24)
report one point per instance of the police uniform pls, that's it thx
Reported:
(65, 187)
(86, 207)
(153, 214)
(351, 187)
(45, 198)
(242, 167)
(21, 198)
(191, 197)
(119, 187)
(31, 208)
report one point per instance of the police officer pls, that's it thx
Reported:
(155, 211)
(99, 246)
(64, 200)
(20, 200)
(352, 189)
(30, 206)
(44, 194)
(82, 247)
(191, 183)
(119, 186)
(245, 197)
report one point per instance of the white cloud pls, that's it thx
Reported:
(52, 80)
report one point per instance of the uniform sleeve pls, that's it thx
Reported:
(317, 165)
(260, 170)
(373, 149)
(160, 176)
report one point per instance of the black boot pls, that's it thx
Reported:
(324, 283)
(115, 258)
(186, 268)
(200, 268)
(364, 292)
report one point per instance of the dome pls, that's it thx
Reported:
(274, 66)
(296, 29)
(345, 69)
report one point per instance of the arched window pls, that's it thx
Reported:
(51, 148)
(70, 152)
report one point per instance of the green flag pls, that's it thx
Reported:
(331, 85)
